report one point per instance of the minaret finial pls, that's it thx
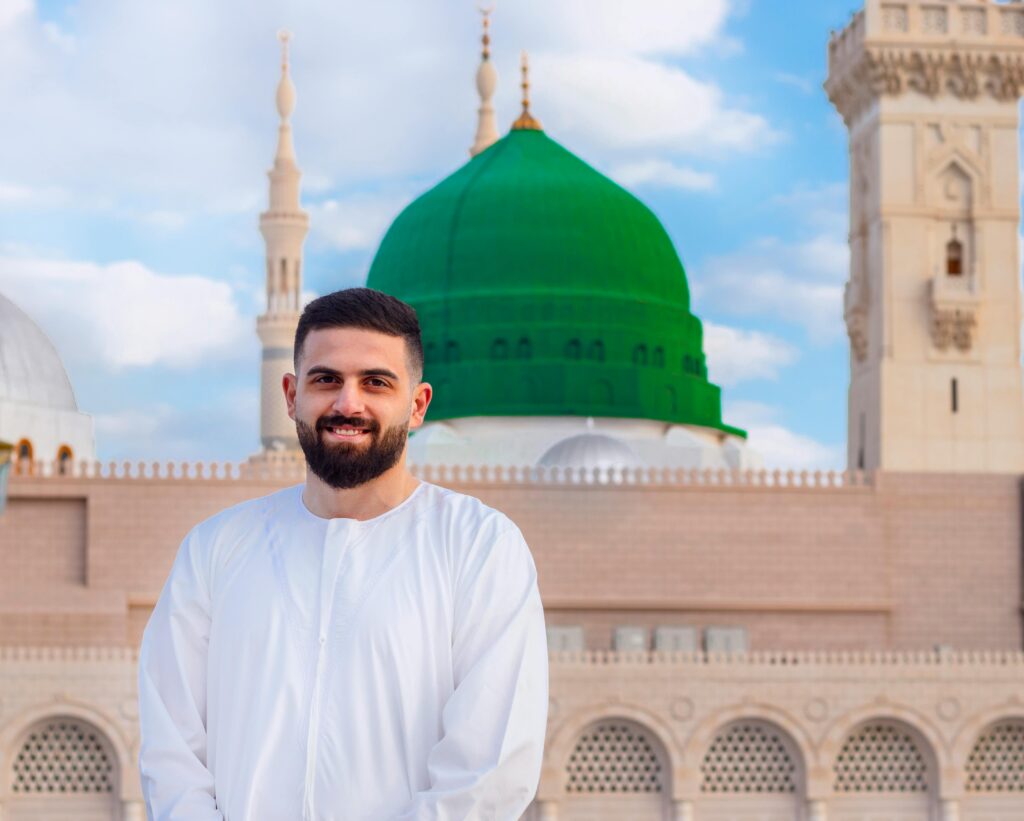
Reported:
(486, 82)
(285, 89)
(526, 121)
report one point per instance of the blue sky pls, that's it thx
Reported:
(138, 135)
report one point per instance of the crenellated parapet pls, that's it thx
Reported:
(286, 472)
(968, 49)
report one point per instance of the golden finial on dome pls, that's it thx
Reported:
(526, 121)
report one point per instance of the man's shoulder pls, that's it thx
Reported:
(467, 514)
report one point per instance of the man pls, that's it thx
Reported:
(363, 646)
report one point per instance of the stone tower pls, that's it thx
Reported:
(929, 94)
(284, 226)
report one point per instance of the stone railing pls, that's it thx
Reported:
(442, 474)
(803, 658)
(916, 659)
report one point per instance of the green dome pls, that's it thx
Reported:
(545, 289)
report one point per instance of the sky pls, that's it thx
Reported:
(137, 137)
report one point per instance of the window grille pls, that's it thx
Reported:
(614, 757)
(748, 758)
(63, 756)
(880, 758)
(996, 764)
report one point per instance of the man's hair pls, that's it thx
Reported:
(368, 309)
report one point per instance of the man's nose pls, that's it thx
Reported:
(349, 400)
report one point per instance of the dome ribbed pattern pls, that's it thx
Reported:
(31, 371)
(543, 288)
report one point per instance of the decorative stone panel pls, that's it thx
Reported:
(748, 757)
(880, 757)
(996, 764)
(614, 757)
(63, 756)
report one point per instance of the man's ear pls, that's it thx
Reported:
(421, 397)
(289, 382)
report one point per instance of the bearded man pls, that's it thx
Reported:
(361, 646)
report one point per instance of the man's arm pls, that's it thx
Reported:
(487, 762)
(172, 696)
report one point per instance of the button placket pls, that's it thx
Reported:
(333, 552)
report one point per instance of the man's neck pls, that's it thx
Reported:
(366, 501)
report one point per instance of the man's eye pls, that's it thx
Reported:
(377, 383)
(324, 378)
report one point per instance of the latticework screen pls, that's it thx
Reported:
(614, 757)
(996, 764)
(63, 756)
(881, 758)
(748, 758)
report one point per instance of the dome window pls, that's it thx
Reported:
(640, 355)
(499, 349)
(572, 349)
(451, 351)
(597, 350)
(658, 359)
(64, 459)
(954, 256)
(689, 366)
(523, 348)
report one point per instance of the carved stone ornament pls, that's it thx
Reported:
(855, 312)
(877, 72)
(953, 328)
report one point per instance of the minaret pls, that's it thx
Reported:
(526, 121)
(284, 226)
(486, 82)
(929, 93)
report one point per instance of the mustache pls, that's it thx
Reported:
(354, 421)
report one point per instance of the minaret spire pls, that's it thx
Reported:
(284, 226)
(526, 121)
(486, 82)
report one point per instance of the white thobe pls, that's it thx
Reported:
(300, 667)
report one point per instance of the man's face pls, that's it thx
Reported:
(354, 401)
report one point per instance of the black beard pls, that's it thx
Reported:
(345, 466)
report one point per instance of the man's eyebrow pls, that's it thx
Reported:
(323, 370)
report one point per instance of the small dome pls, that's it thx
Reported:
(31, 371)
(590, 450)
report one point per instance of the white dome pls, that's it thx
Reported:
(590, 450)
(31, 371)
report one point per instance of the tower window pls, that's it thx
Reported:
(954, 395)
(954, 256)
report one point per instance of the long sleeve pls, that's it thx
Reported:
(176, 783)
(487, 763)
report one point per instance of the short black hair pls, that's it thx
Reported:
(368, 309)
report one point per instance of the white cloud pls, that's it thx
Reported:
(355, 222)
(171, 103)
(799, 282)
(222, 430)
(797, 81)
(778, 446)
(25, 195)
(656, 173)
(630, 102)
(735, 355)
(125, 315)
